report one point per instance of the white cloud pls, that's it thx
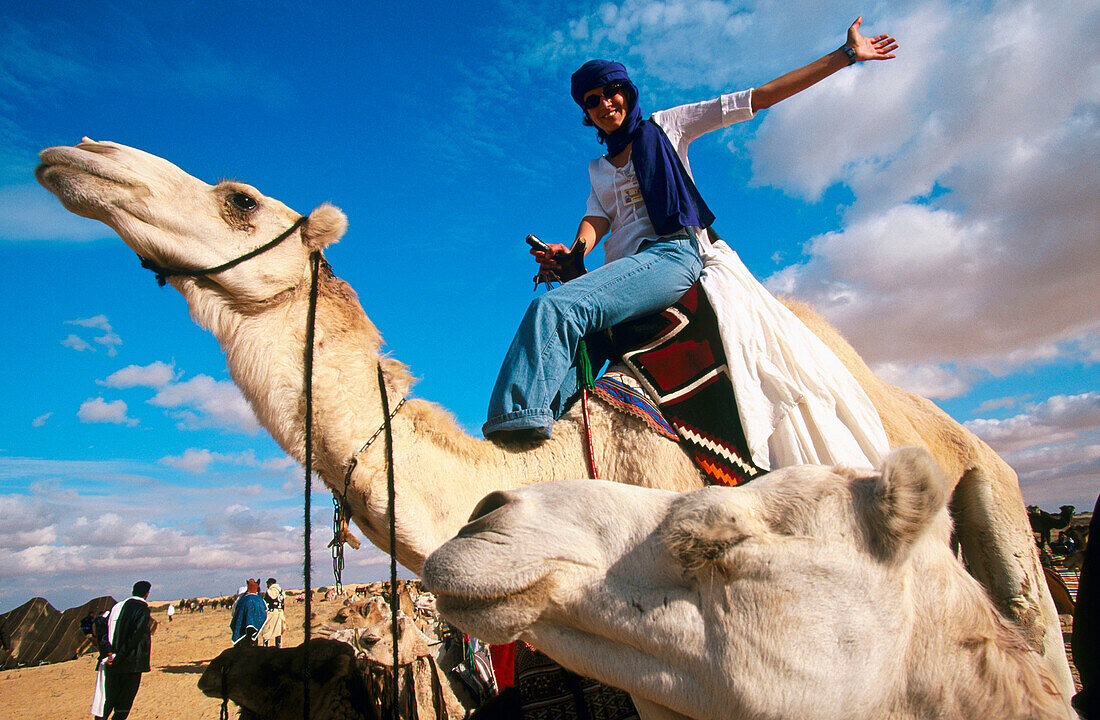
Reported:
(1048, 422)
(1054, 446)
(933, 381)
(41, 420)
(198, 460)
(109, 338)
(99, 322)
(154, 375)
(973, 235)
(203, 402)
(98, 410)
(76, 343)
(79, 546)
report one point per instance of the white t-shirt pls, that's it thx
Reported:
(616, 195)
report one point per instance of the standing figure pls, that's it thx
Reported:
(124, 645)
(249, 614)
(275, 624)
(645, 207)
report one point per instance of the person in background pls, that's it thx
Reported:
(126, 642)
(249, 614)
(275, 624)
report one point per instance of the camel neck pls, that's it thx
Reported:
(440, 471)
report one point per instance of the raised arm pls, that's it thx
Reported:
(880, 47)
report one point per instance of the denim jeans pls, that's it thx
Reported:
(539, 373)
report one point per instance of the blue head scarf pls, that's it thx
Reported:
(670, 196)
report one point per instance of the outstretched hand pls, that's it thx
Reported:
(880, 47)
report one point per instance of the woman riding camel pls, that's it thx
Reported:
(653, 221)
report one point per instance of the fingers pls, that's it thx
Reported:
(882, 47)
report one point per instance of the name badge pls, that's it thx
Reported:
(632, 192)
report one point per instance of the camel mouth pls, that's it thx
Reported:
(463, 587)
(63, 169)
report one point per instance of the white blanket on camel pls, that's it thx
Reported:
(797, 402)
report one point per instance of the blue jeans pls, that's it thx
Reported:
(539, 373)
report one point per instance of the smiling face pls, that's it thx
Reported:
(610, 112)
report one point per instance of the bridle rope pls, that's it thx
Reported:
(315, 259)
(163, 273)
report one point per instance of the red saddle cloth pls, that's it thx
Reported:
(677, 356)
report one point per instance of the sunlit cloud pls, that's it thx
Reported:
(108, 339)
(77, 343)
(203, 402)
(98, 410)
(155, 375)
(197, 460)
(1054, 446)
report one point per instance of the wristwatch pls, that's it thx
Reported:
(850, 53)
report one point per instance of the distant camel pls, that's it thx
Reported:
(811, 593)
(257, 309)
(1043, 522)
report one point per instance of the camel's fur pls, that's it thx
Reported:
(811, 593)
(266, 682)
(257, 310)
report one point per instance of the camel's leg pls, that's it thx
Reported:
(999, 550)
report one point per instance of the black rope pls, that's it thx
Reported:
(224, 715)
(311, 319)
(391, 492)
(341, 513)
(163, 273)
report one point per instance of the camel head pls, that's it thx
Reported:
(791, 583)
(267, 681)
(180, 222)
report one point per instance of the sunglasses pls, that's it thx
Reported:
(609, 91)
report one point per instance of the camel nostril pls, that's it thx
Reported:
(490, 503)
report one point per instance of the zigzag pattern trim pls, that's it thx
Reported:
(695, 436)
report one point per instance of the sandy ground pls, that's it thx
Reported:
(181, 651)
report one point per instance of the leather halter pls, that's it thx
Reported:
(163, 273)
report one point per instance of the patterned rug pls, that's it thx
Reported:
(678, 359)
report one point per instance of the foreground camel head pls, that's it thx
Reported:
(178, 221)
(809, 593)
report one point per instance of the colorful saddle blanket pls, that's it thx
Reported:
(678, 359)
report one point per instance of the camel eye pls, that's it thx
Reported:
(241, 201)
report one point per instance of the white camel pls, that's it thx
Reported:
(813, 593)
(257, 310)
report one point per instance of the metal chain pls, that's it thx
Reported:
(341, 513)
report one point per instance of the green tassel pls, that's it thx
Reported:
(584, 367)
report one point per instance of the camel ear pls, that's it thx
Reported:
(911, 491)
(700, 529)
(325, 225)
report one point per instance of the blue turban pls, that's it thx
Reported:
(670, 196)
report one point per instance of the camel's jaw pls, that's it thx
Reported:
(499, 619)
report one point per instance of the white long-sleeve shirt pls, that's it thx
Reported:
(616, 195)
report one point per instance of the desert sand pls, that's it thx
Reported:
(181, 651)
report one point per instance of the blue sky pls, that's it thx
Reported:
(942, 209)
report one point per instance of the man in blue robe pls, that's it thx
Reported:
(249, 614)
